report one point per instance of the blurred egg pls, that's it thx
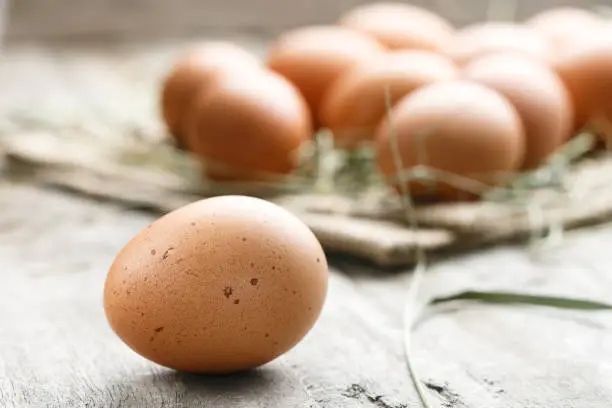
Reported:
(356, 103)
(249, 125)
(221, 285)
(400, 25)
(586, 69)
(602, 125)
(480, 39)
(561, 24)
(313, 57)
(537, 93)
(457, 127)
(196, 70)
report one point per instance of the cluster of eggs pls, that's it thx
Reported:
(486, 100)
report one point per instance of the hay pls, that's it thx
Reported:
(370, 224)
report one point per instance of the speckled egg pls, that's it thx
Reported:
(221, 285)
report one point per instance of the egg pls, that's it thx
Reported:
(356, 103)
(537, 93)
(313, 57)
(221, 285)
(196, 70)
(586, 69)
(249, 126)
(560, 25)
(602, 125)
(480, 39)
(400, 25)
(459, 127)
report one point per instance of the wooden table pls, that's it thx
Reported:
(56, 349)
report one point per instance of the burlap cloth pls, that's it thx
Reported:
(374, 228)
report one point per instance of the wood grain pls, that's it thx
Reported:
(57, 350)
(116, 19)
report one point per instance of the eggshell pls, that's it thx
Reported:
(400, 25)
(480, 39)
(196, 70)
(602, 125)
(586, 69)
(313, 57)
(459, 127)
(249, 126)
(537, 93)
(560, 25)
(356, 103)
(221, 285)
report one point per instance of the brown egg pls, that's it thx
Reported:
(602, 125)
(537, 93)
(250, 123)
(480, 39)
(400, 25)
(459, 127)
(586, 69)
(356, 103)
(561, 24)
(313, 57)
(196, 70)
(221, 285)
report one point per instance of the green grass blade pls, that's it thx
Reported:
(524, 299)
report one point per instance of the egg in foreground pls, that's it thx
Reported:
(221, 285)
(458, 127)
(195, 71)
(400, 25)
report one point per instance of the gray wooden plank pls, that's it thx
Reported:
(56, 349)
(492, 356)
(56, 250)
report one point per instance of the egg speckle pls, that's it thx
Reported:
(537, 93)
(233, 291)
(458, 127)
(313, 57)
(400, 25)
(195, 71)
(356, 103)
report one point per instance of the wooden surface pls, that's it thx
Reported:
(118, 19)
(56, 349)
